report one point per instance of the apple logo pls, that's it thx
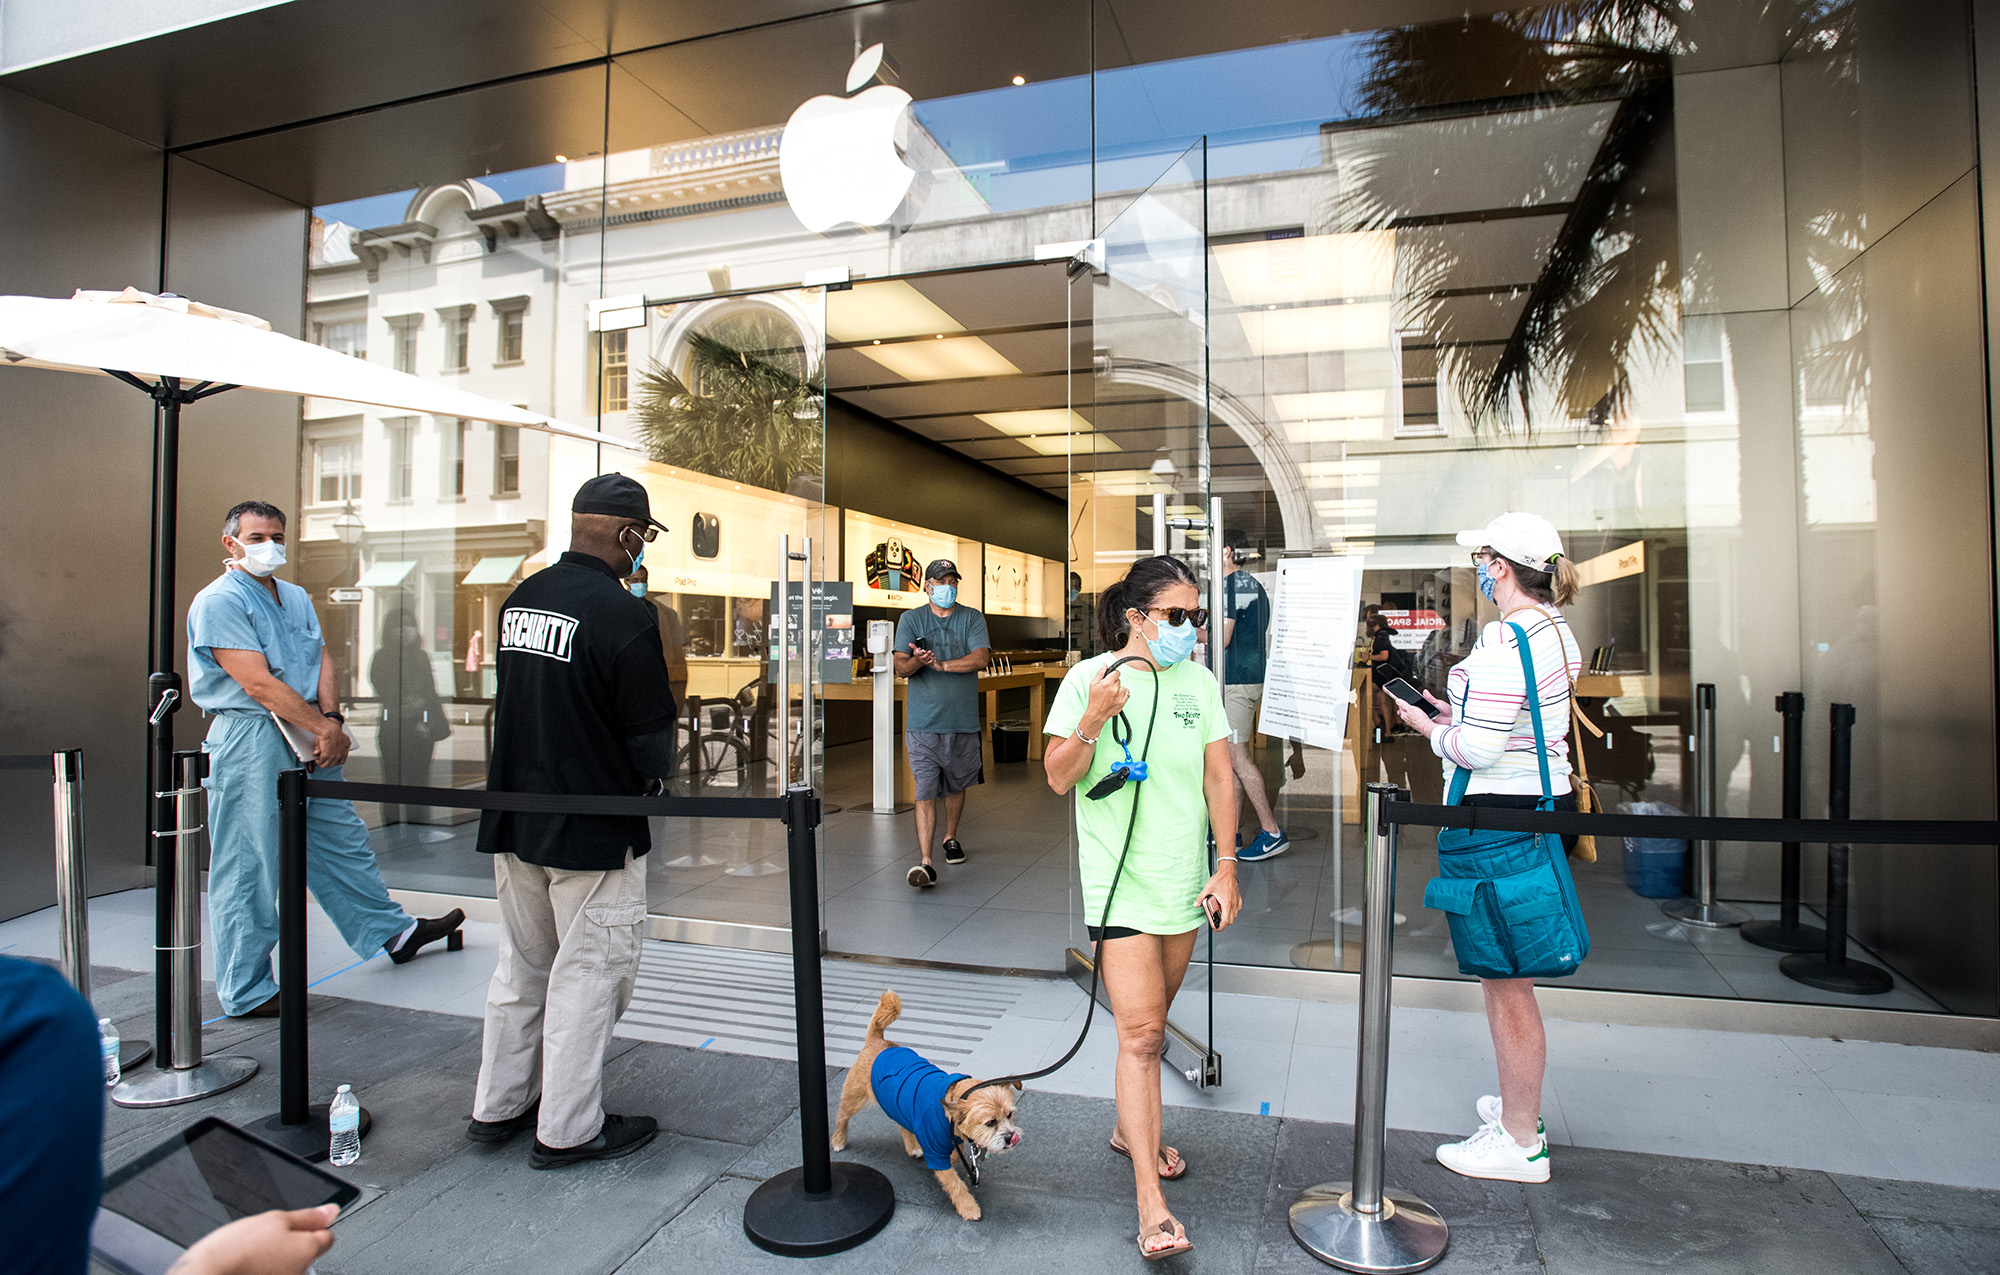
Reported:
(839, 158)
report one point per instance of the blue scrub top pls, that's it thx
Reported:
(235, 612)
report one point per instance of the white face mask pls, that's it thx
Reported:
(262, 558)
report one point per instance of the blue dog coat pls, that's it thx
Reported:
(911, 1092)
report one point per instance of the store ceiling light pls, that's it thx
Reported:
(955, 358)
(1367, 472)
(1041, 420)
(1328, 405)
(1318, 329)
(890, 308)
(1310, 268)
(1020, 79)
(1352, 429)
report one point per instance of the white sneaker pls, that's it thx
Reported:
(1489, 1113)
(1493, 1153)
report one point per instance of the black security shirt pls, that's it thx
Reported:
(580, 672)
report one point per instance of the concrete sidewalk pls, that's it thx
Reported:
(440, 1204)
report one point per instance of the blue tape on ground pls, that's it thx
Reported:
(1263, 1108)
(706, 1043)
(337, 973)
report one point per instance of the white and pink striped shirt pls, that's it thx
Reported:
(1491, 734)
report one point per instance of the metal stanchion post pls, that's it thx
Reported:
(1830, 970)
(300, 1125)
(1702, 909)
(1786, 934)
(188, 1075)
(1359, 1225)
(821, 1207)
(73, 892)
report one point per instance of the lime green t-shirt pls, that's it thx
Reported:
(1168, 864)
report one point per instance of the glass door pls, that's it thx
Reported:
(1140, 466)
(727, 395)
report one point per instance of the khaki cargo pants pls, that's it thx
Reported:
(569, 955)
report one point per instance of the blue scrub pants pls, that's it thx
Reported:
(245, 754)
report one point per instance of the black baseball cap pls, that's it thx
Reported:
(942, 569)
(617, 496)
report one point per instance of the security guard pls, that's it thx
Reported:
(583, 706)
(254, 650)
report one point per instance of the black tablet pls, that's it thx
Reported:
(209, 1175)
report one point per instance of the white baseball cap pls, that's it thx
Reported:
(1528, 539)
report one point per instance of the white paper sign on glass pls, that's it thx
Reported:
(1307, 684)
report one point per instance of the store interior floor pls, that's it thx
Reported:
(1012, 905)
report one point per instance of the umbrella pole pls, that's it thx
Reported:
(163, 695)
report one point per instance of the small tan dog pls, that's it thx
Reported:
(931, 1107)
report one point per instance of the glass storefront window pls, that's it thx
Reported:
(1700, 288)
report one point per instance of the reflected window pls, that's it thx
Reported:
(1707, 377)
(506, 460)
(337, 470)
(511, 315)
(616, 379)
(457, 337)
(403, 340)
(451, 459)
(350, 339)
(401, 432)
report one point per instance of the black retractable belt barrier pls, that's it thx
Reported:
(1878, 832)
(819, 1208)
(1786, 934)
(1831, 971)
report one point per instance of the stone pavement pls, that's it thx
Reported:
(439, 1204)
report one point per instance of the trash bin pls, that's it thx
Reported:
(1654, 866)
(1010, 741)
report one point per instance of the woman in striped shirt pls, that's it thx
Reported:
(1485, 729)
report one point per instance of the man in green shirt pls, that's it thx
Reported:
(941, 647)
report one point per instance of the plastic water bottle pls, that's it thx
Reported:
(107, 1044)
(344, 1123)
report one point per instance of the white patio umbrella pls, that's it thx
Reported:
(178, 352)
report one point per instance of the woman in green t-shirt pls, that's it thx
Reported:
(1173, 710)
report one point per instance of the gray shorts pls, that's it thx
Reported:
(944, 764)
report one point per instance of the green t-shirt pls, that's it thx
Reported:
(1168, 864)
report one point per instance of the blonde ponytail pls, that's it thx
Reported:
(1567, 582)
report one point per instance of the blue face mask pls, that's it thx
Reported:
(1175, 643)
(638, 590)
(944, 596)
(1486, 581)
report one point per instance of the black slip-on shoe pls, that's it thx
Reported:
(953, 852)
(501, 1130)
(923, 876)
(429, 930)
(620, 1136)
(269, 1009)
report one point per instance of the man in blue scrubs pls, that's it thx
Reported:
(254, 649)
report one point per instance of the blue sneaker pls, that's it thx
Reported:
(1267, 845)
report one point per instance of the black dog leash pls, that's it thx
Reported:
(1128, 770)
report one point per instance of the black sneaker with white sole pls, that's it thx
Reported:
(953, 852)
(620, 1136)
(923, 876)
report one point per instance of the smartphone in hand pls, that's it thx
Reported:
(1409, 694)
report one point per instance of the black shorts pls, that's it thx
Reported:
(1520, 801)
(1098, 935)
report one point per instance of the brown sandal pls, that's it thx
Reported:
(1168, 1154)
(1172, 1228)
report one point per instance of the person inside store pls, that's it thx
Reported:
(255, 655)
(673, 634)
(1167, 710)
(1385, 664)
(1246, 631)
(1485, 731)
(583, 705)
(941, 647)
(52, 1109)
(413, 715)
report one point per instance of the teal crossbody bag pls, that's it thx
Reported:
(1508, 896)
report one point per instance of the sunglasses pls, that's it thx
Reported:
(646, 530)
(1177, 616)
